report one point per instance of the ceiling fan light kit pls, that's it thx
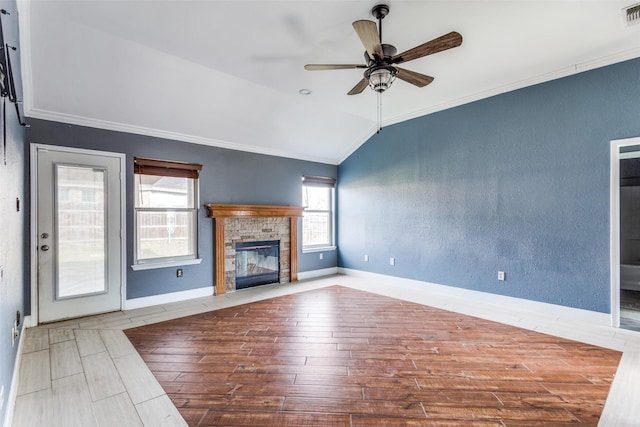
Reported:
(380, 79)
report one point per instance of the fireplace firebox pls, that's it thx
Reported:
(257, 263)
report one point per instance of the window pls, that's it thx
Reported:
(166, 212)
(318, 216)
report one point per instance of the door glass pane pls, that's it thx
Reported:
(81, 230)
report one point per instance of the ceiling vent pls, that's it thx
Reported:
(632, 14)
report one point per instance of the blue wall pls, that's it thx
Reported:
(12, 220)
(518, 182)
(227, 176)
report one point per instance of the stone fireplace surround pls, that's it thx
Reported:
(243, 223)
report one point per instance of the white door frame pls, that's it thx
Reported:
(33, 176)
(614, 221)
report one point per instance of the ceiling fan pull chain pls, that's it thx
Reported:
(379, 121)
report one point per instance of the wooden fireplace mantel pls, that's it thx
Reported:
(254, 211)
(218, 212)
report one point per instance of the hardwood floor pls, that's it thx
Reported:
(67, 400)
(341, 356)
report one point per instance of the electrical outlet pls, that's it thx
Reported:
(321, 255)
(366, 258)
(392, 261)
(179, 273)
(501, 275)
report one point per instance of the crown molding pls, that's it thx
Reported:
(31, 111)
(159, 133)
(542, 78)
(121, 127)
(521, 84)
(24, 16)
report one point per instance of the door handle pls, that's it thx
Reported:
(44, 247)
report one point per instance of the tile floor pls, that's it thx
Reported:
(630, 310)
(85, 372)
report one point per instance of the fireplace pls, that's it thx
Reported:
(257, 263)
(255, 223)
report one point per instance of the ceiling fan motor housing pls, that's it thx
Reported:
(387, 51)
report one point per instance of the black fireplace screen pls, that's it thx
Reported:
(257, 263)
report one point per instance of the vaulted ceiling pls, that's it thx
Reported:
(228, 73)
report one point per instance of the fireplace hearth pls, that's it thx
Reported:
(257, 263)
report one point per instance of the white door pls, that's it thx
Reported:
(79, 222)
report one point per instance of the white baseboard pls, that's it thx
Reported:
(131, 304)
(487, 299)
(304, 275)
(13, 390)
(29, 322)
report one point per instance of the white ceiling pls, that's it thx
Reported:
(227, 73)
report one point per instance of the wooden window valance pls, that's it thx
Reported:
(145, 166)
(321, 181)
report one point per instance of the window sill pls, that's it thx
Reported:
(154, 265)
(318, 249)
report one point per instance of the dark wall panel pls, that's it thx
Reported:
(227, 176)
(518, 182)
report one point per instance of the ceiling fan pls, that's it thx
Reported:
(380, 69)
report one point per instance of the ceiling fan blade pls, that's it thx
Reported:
(448, 41)
(368, 33)
(319, 67)
(362, 84)
(417, 79)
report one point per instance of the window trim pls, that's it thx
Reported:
(326, 182)
(173, 169)
(154, 265)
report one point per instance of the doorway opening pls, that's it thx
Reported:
(625, 233)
